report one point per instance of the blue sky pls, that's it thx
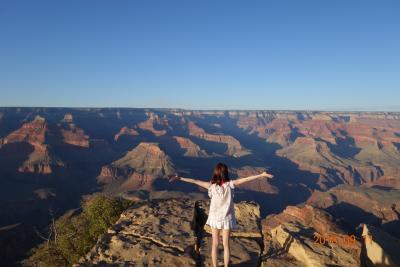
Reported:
(329, 55)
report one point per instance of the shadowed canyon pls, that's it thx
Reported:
(333, 172)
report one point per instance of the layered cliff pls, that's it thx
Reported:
(191, 149)
(137, 169)
(41, 160)
(151, 122)
(307, 236)
(379, 248)
(72, 134)
(350, 148)
(125, 131)
(234, 148)
(356, 205)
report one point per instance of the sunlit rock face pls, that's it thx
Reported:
(170, 233)
(291, 237)
(234, 148)
(137, 169)
(356, 205)
(191, 149)
(379, 248)
(31, 132)
(312, 155)
(72, 134)
(351, 148)
(125, 131)
(41, 160)
(151, 122)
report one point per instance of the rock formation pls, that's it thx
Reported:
(316, 156)
(306, 151)
(234, 147)
(137, 169)
(68, 118)
(125, 131)
(307, 236)
(379, 248)
(353, 148)
(41, 160)
(357, 205)
(169, 233)
(31, 132)
(154, 119)
(192, 150)
(71, 133)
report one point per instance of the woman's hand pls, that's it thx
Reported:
(173, 178)
(265, 174)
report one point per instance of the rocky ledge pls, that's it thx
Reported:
(307, 236)
(172, 232)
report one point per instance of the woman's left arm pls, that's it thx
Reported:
(196, 182)
(251, 178)
(190, 180)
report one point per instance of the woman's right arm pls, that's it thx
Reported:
(193, 181)
(250, 178)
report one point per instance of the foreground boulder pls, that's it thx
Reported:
(307, 236)
(379, 248)
(170, 232)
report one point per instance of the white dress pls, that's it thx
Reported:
(222, 212)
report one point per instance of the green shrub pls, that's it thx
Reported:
(73, 236)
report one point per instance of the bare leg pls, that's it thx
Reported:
(214, 249)
(225, 241)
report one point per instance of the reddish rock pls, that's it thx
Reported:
(41, 159)
(73, 135)
(68, 118)
(148, 125)
(192, 150)
(125, 131)
(31, 132)
(379, 248)
(76, 137)
(316, 157)
(293, 236)
(137, 169)
(234, 147)
(374, 201)
(306, 215)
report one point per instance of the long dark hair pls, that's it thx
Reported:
(220, 174)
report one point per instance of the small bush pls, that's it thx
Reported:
(73, 236)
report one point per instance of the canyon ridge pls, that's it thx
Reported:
(335, 173)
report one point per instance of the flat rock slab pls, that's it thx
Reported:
(244, 252)
(165, 222)
(126, 250)
(284, 261)
(247, 216)
(164, 232)
(292, 238)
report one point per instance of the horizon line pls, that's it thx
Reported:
(208, 110)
